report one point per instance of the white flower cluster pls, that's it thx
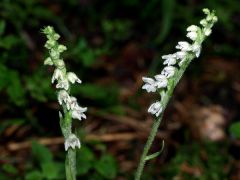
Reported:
(63, 81)
(175, 61)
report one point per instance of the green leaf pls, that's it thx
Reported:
(34, 175)
(42, 12)
(85, 158)
(84, 53)
(3, 76)
(93, 91)
(235, 129)
(154, 155)
(9, 169)
(116, 29)
(3, 177)
(41, 153)
(15, 89)
(105, 95)
(116, 109)
(88, 58)
(39, 89)
(52, 170)
(107, 167)
(2, 26)
(9, 41)
(168, 12)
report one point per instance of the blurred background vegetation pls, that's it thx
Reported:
(111, 45)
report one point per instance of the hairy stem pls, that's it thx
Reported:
(70, 164)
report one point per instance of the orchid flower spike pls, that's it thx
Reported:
(63, 80)
(175, 62)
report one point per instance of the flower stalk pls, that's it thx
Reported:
(70, 108)
(165, 82)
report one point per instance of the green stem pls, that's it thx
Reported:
(165, 99)
(70, 164)
(147, 147)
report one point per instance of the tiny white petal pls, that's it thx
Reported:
(161, 81)
(149, 88)
(48, 61)
(60, 115)
(215, 19)
(169, 62)
(197, 49)
(148, 80)
(184, 46)
(170, 59)
(155, 109)
(149, 85)
(61, 48)
(203, 22)
(60, 63)
(78, 112)
(169, 56)
(181, 54)
(72, 77)
(71, 103)
(168, 71)
(192, 28)
(209, 18)
(63, 96)
(54, 54)
(72, 141)
(207, 31)
(192, 35)
(57, 75)
(63, 84)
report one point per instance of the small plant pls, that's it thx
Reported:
(165, 82)
(71, 109)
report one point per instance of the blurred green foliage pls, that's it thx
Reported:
(235, 129)
(201, 161)
(101, 168)
(45, 166)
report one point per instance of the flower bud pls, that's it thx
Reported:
(57, 75)
(207, 31)
(72, 77)
(192, 28)
(50, 43)
(60, 63)
(56, 36)
(61, 48)
(192, 35)
(54, 54)
(48, 61)
(48, 30)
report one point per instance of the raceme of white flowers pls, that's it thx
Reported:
(175, 61)
(63, 81)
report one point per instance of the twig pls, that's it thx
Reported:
(131, 122)
(15, 146)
